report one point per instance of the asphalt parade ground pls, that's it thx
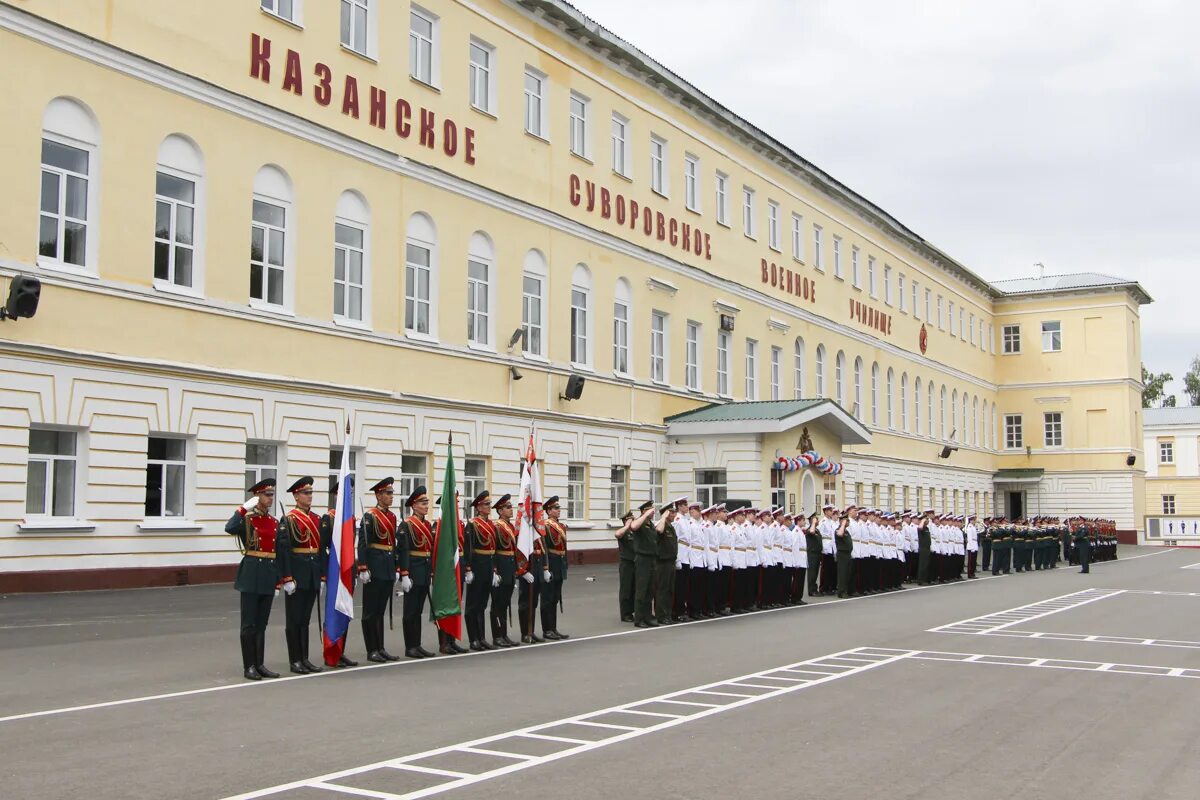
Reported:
(1043, 685)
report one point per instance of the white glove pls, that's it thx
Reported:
(406, 584)
(495, 580)
(289, 587)
(250, 504)
(546, 575)
(364, 577)
(277, 593)
(470, 577)
(527, 577)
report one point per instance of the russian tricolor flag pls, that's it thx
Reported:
(339, 575)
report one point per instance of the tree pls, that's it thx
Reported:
(1191, 382)
(1154, 393)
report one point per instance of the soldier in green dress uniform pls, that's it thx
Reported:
(1001, 547)
(664, 564)
(479, 557)
(257, 575)
(844, 544)
(377, 543)
(415, 542)
(554, 573)
(507, 570)
(645, 546)
(626, 567)
(1083, 546)
(300, 561)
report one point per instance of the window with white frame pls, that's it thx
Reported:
(621, 313)
(855, 270)
(262, 462)
(52, 471)
(962, 328)
(890, 399)
(335, 473)
(423, 46)
(658, 482)
(982, 339)
(691, 182)
(658, 347)
(268, 252)
(928, 306)
(818, 256)
(951, 320)
(618, 490)
(1051, 337)
(692, 356)
(887, 284)
(620, 145)
(991, 338)
(971, 327)
(658, 165)
(797, 237)
(480, 269)
(284, 9)
(875, 395)
(819, 369)
(1013, 437)
(723, 363)
(1011, 336)
(1168, 504)
(710, 486)
(533, 303)
(900, 293)
(929, 429)
(751, 369)
(576, 491)
(904, 402)
(722, 188)
(178, 214)
(166, 476)
(535, 102)
(778, 488)
(414, 472)
(941, 319)
(839, 381)
(1166, 452)
(837, 256)
(917, 406)
(356, 21)
(872, 289)
(580, 108)
(776, 369)
(748, 212)
(581, 316)
(70, 140)
(481, 75)
(773, 240)
(798, 369)
(420, 277)
(350, 261)
(916, 311)
(474, 481)
(942, 413)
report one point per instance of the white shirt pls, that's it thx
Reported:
(972, 538)
(724, 544)
(828, 527)
(711, 538)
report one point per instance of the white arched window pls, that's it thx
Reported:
(819, 367)
(839, 377)
(481, 290)
(351, 259)
(533, 303)
(891, 399)
(955, 431)
(420, 277)
(179, 216)
(994, 430)
(930, 430)
(917, 406)
(67, 225)
(975, 421)
(942, 413)
(622, 314)
(875, 394)
(904, 402)
(798, 369)
(985, 439)
(963, 432)
(859, 410)
(272, 240)
(581, 316)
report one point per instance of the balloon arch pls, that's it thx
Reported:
(810, 459)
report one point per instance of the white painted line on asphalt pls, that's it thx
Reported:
(752, 685)
(692, 703)
(582, 721)
(412, 663)
(723, 694)
(1191, 566)
(655, 713)
(1168, 594)
(324, 781)
(550, 738)
(483, 751)
(999, 620)
(445, 773)
(1147, 670)
(333, 787)
(1090, 638)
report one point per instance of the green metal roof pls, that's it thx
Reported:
(1016, 474)
(736, 412)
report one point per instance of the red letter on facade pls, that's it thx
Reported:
(292, 82)
(323, 92)
(574, 190)
(350, 97)
(403, 115)
(673, 236)
(605, 203)
(378, 107)
(427, 135)
(469, 146)
(260, 58)
(450, 138)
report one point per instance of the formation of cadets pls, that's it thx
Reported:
(395, 556)
(689, 563)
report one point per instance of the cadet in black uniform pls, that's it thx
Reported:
(554, 573)
(257, 575)
(506, 571)
(377, 568)
(415, 543)
(626, 567)
(327, 525)
(300, 560)
(479, 556)
(1083, 546)
(924, 551)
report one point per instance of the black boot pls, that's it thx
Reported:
(249, 656)
(292, 635)
(346, 662)
(379, 638)
(260, 642)
(308, 665)
(368, 629)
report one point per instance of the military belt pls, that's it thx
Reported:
(259, 554)
(417, 553)
(557, 552)
(484, 552)
(724, 547)
(381, 546)
(304, 551)
(504, 552)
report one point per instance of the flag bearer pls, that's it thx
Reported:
(554, 573)
(377, 543)
(328, 526)
(298, 544)
(506, 571)
(415, 543)
(257, 575)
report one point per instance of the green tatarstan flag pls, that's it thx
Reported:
(444, 606)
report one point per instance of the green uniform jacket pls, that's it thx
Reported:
(255, 575)
(300, 531)
(845, 544)
(645, 539)
(416, 536)
(625, 549)
(556, 539)
(668, 544)
(477, 540)
(377, 544)
(506, 552)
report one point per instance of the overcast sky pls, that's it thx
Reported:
(1059, 131)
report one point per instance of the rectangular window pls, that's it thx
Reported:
(531, 313)
(284, 9)
(618, 489)
(174, 229)
(855, 271)
(1054, 429)
(900, 289)
(872, 289)
(818, 260)
(535, 102)
(580, 107)
(658, 165)
(829, 491)
(773, 225)
(915, 294)
(797, 237)
(951, 320)
(1166, 452)
(1051, 337)
(962, 325)
(621, 337)
(478, 308)
(417, 276)
(1168, 504)
(710, 486)
(580, 351)
(474, 481)
(657, 486)
(722, 184)
(335, 471)
(982, 340)
(941, 316)
(837, 256)
(971, 327)
(348, 253)
(1013, 438)
(776, 368)
(692, 356)
(748, 211)
(778, 488)
(991, 338)
(268, 245)
(1011, 334)
(422, 45)
(658, 347)
(166, 476)
(414, 472)
(751, 369)
(691, 182)
(928, 307)
(262, 462)
(620, 145)
(50, 478)
(576, 491)
(482, 83)
(355, 18)
(723, 363)
(887, 284)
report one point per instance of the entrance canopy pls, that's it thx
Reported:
(768, 416)
(1018, 477)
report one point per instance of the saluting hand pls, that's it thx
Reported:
(250, 504)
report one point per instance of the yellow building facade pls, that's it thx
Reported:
(1172, 446)
(256, 221)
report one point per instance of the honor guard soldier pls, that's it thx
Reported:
(298, 544)
(257, 575)
(645, 545)
(1083, 546)
(377, 544)
(664, 565)
(531, 590)
(415, 544)
(626, 567)
(507, 571)
(328, 523)
(479, 556)
(448, 644)
(812, 550)
(844, 542)
(554, 573)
